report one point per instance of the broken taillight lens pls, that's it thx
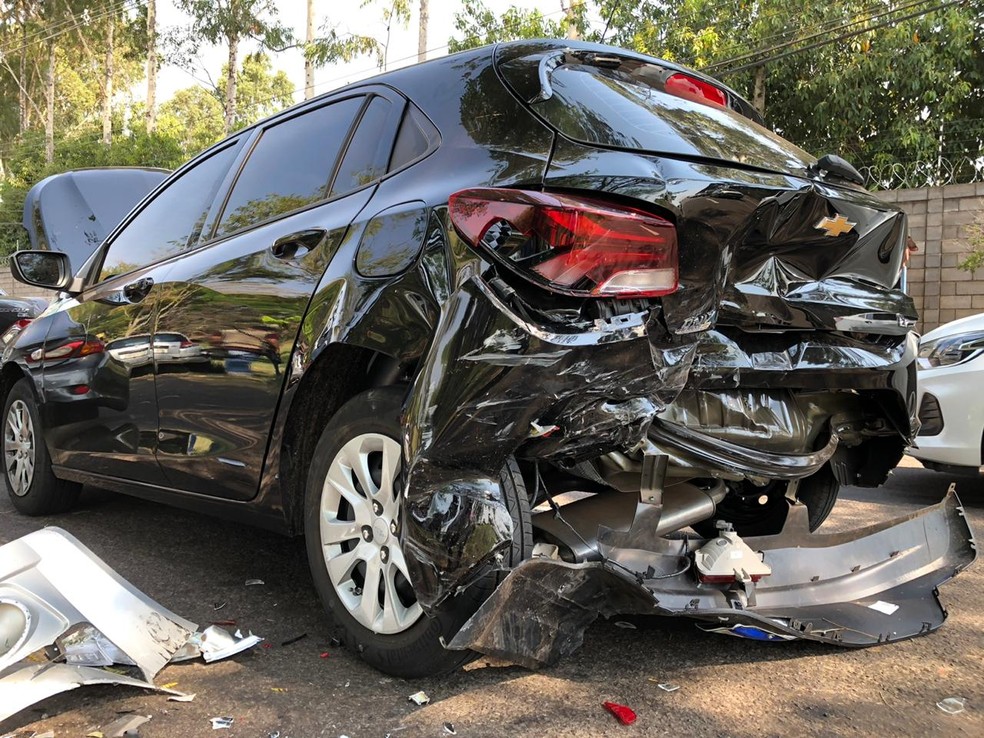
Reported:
(696, 89)
(575, 245)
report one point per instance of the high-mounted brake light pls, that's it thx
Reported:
(575, 245)
(693, 88)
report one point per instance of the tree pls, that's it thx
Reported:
(232, 22)
(476, 25)
(193, 117)
(261, 91)
(423, 20)
(151, 112)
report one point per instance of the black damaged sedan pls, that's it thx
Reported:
(515, 338)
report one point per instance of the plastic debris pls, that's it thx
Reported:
(419, 698)
(953, 705)
(124, 725)
(887, 608)
(625, 624)
(215, 644)
(295, 639)
(182, 697)
(219, 723)
(449, 729)
(324, 654)
(625, 715)
(278, 690)
(254, 582)
(668, 686)
(218, 606)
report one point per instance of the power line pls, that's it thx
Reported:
(842, 37)
(841, 26)
(49, 32)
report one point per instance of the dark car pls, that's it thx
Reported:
(17, 312)
(542, 276)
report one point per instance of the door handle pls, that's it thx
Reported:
(137, 291)
(297, 244)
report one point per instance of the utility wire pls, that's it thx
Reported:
(842, 37)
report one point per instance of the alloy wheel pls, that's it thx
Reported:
(19, 448)
(359, 526)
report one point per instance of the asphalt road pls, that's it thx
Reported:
(728, 686)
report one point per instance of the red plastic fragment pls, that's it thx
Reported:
(268, 645)
(625, 715)
(324, 654)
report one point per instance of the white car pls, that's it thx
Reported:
(951, 397)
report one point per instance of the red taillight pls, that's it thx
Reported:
(575, 245)
(186, 344)
(692, 88)
(70, 350)
(21, 324)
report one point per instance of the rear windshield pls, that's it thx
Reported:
(612, 107)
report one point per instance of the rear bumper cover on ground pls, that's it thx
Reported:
(860, 588)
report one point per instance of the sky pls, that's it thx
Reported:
(345, 16)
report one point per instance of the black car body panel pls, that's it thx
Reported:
(278, 318)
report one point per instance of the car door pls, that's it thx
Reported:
(100, 403)
(239, 299)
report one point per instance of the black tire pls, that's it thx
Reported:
(43, 493)
(417, 650)
(742, 507)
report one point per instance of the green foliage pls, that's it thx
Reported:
(476, 25)
(975, 239)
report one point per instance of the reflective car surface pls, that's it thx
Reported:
(403, 317)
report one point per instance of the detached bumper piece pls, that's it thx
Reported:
(860, 588)
(64, 612)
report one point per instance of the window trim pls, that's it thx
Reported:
(366, 94)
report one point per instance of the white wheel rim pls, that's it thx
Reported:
(359, 520)
(18, 448)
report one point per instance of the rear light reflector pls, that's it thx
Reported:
(575, 245)
(693, 88)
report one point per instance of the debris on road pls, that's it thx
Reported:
(254, 582)
(625, 624)
(624, 714)
(124, 725)
(419, 698)
(63, 605)
(215, 644)
(449, 729)
(666, 686)
(220, 723)
(952, 705)
(295, 639)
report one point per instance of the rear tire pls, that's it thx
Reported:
(31, 485)
(742, 506)
(350, 543)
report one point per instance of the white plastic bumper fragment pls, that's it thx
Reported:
(51, 585)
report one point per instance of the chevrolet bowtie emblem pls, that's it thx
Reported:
(836, 226)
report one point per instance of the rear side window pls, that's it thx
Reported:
(365, 157)
(417, 136)
(626, 108)
(171, 221)
(290, 165)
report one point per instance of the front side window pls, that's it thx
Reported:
(290, 166)
(172, 221)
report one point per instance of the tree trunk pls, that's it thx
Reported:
(107, 112)
(308, 63)
(422, 30)
(758, 92)
(569, 18)
(22, 72)
(230, 101)
(49, 96)
(151, 114)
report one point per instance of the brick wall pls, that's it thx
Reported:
(938, 220)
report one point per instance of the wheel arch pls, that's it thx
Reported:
(339, 372)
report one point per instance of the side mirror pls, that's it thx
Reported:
(51, 270)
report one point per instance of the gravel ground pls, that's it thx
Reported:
(728, 686)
